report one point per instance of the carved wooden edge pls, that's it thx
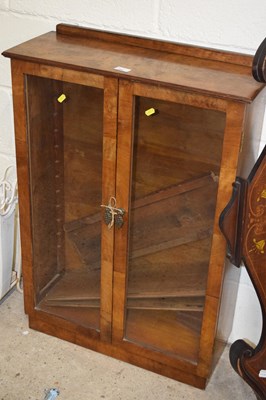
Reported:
(156, 44)
(243, 223)
(231, 222)
(254, 257)
(259, 63)
(239, 352)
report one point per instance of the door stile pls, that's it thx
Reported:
(230, 154)
(19, 103)
(123, 186)
(108, 190)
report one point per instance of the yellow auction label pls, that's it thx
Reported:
(61, 98)
(150, 112)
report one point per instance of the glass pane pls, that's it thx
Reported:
(176, 161)
(66, 136)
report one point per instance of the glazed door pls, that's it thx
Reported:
(72, 166)
(169, 189)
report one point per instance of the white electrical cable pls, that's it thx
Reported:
(8, 201)
(8, 195)
(19, 271)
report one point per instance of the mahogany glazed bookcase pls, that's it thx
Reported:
(126, 151)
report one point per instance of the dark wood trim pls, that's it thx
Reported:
(231, 222)
(259, 63)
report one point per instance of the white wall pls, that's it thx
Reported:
(235, 25)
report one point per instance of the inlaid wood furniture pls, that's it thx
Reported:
(126, 151)
(243, 223)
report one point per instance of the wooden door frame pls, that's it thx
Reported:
(231, 143)
(21, 69)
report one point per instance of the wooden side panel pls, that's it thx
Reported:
(230, 157)
(23, 184)
(253, 127)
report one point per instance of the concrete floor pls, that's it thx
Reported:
(31, 362)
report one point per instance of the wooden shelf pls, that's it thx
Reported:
(171, 303)
(166, 303)
(76, 285)
(196, 223)
(82, 289)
